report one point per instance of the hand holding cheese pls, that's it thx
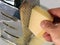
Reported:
(37, 16)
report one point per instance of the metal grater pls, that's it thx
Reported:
(26, 36)
(25, 12)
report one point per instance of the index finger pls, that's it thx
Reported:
(55, 12)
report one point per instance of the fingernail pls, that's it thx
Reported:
(43, 23)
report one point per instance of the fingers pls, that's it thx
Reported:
(55, 12)
(48, 26)
(47, 37)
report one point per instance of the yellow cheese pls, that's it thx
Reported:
(37, 16)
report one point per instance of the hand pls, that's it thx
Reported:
(52, 29)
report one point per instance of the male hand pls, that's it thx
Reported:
(52, 28)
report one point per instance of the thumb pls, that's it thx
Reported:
(48, 26)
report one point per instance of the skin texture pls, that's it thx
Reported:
(52, 29)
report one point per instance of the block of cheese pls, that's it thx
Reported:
(37, 16)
